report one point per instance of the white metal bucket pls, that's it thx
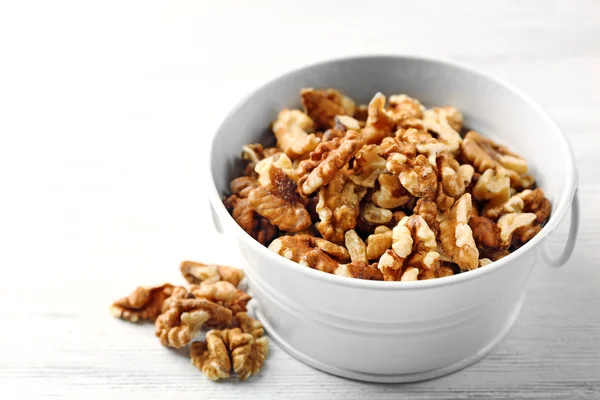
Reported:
(397, 331)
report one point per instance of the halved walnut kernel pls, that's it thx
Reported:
(456, 236)
(367, 166)
(303, 250)
(280, 203)
(196, 273)
(375, 215)
(379, 123)
(508, 223)
(338, 207)
(390, 194)
(492, 186)
(442, 121)
(291, 130)
(360, 270)
(339, 253)
(379, 242)
(485, 154)
(416, 174)
(144, 303)
(404, 108)
(317, 173)
(182, 322)
(323, 105)
(356, 247)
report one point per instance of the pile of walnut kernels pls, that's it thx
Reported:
(385, 192)
(213, 300)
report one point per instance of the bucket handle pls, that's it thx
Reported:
(568, 250)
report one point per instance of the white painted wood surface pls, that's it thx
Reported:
(105, 112)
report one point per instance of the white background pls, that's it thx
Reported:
(106, 112)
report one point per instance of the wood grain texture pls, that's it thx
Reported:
(109, 108)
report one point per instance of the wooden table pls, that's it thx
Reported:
(106, 110)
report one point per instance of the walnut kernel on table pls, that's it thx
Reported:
(394, 190)
(144, 303)
(236, 342)
(242, 349)
(196, 273)
(183, 321)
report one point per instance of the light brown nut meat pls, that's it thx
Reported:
(453, 116)
(403, 108)
(249, 325)
(416, 136)
(379, 242)
(281, 161)
(391, 145)
(367, 166)
(486, 234)
(231, 274)
(322, 106)
(524, 234)
(535, 201)
(229, 348)
(343, 124)
(438, 120)
(379, 123)
(291, 131)
(485, 154)
(492, 186)
(466, 172)
(456, 236)
(325, 170)
(431, 149)
(425, 255)
(215, 291)
(442, 201)
(375, 215)
(338, 208)
(410, 274)
(396, 217)
(356, 247)
(527, 201)
(303, 250)
(144, 303)
(402, 240)
(211, 357)
(484, 261)
(239, 302)
(390, 265)
(391, 193)
(248, 354)
(452, 183)
(279, 203)
(428, 210)
(241, 213)
(413, 250)
(182, 322)
(416, 174)
(339, 253)
(243, 185)
(255, 225)
(196, 273)
(443, 271)
(360, 270)
(179, 293)
(253, 153)
(508, 223)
